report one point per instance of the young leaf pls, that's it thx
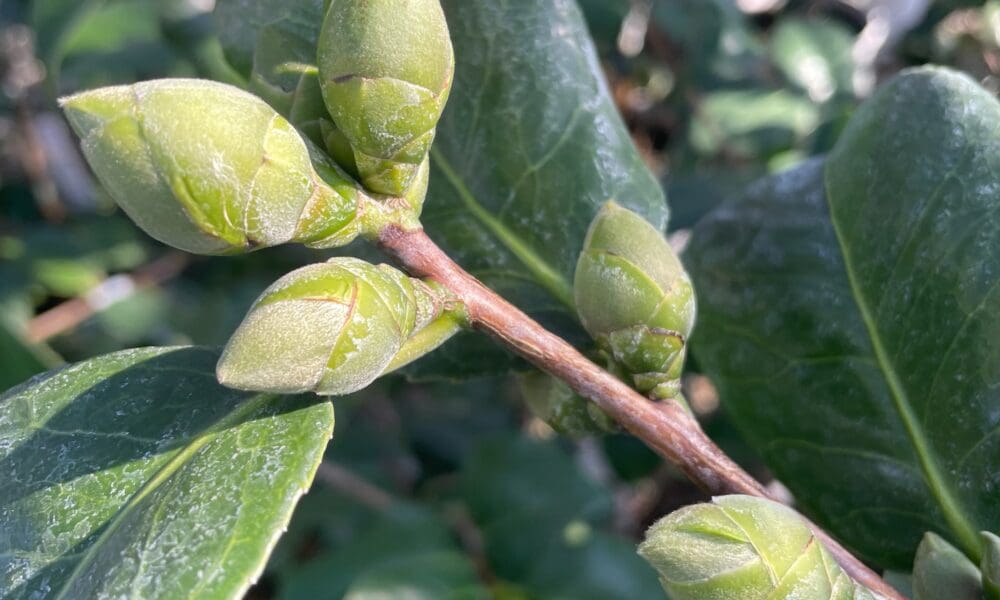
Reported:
(528, 150)
(744, 547)
(852, 330)
(942, 571)
(136, 475)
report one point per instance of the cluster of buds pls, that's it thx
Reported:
(212, 169)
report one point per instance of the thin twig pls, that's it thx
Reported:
(666, 428)
(68, 315)
(349, 484)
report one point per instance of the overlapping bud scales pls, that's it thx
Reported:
(747, 548)
(331, 328)
(386, 68)
(635, 299)
(210, 169)
(990, 567)
(941, 571)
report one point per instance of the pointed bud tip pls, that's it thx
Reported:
(91, 109)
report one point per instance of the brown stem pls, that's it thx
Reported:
(664, 427)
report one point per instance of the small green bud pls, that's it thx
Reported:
(991, 566)
(941, 571)
(210, 169)
(567, 413)
(635, 299)
(747, 548)
(386, 68)
(330, 328)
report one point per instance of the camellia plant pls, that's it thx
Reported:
(847, 308)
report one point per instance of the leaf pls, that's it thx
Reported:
(240, 21)
(136, 475)
(21, 360)
(853, 334)
(529, 148)
(540, 517)
(436, 576)
(381, 556)
(815, 55)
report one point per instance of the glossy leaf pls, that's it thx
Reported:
(528, 150)
(110, 464)
(852, 331)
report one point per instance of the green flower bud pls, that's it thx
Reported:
(210, 169)
(330, 328)
(747, 548)
(567, 413)
(941, 571)
(386, 68)
(635, 299)
(991, 566)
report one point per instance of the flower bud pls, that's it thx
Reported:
(567, 413)
(747, 548)
(941, 571)
(330, 328)
(635, 299)
(210, 169)
(386, 68)
(991, 566)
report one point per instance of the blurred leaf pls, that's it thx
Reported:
(713, 34)
(113, 462)
(514, 190)
(538, 516)
(752, 123)
(19, 359)
(815, 55)
(863, 347)
(404, 533)
(431, 576)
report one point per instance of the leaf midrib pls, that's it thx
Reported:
(544, 273)
(942, 492)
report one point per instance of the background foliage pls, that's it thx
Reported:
(418, 485)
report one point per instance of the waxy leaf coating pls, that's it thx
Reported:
(210, 169)
(635, 299)
(330, 328)
(135, 475)
(386, 69)
(747, 548)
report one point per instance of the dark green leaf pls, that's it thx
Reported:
(429, 576)
(863, 347)
(137, 475)
(540, 518)
(529, 148)
(20, 360)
